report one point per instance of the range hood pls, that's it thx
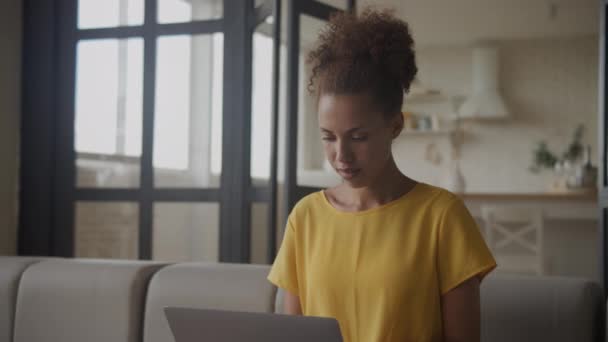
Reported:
(485, 101)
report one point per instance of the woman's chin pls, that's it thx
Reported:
(356, 182)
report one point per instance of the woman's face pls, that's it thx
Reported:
(356, 137)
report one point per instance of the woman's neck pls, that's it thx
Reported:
(388, 186)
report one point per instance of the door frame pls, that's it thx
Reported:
(603, 146)
(296, 8)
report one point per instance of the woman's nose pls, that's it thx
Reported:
(345, 153)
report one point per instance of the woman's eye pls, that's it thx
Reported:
(359, 138)
(327, 138)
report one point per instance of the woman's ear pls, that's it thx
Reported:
(397, 125)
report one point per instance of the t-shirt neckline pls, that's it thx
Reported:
(371, 210)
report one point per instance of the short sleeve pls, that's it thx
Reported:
(284, 272)
(462, 252)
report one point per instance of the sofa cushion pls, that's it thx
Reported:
(528, 308)
(236, 287)
(11, 269)
(75, 300)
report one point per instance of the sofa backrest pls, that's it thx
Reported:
(75, 300)
(72, 300)
(11, 269)
(528, 308)
(236, 287)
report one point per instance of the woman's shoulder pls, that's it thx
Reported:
(311, 202)
(436, 197)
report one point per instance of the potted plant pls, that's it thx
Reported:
(564, 166)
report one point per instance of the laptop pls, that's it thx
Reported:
(198, 325)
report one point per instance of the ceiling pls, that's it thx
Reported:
(458, 22)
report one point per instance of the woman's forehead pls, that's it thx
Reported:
(356, 100)
(355, 109)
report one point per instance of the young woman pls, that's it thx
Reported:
(390, 258)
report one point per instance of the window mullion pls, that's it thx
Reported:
(121, 115)
(122, 84)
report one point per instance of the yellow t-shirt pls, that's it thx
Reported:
(381, 272)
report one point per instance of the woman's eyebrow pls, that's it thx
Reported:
(324, 130)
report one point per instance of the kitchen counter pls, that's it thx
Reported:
(574, 205)
(586, 196)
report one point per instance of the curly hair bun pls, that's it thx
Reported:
(372, 52)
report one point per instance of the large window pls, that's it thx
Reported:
(159, 131)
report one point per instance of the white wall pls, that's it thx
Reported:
(550, 85)
(10, 98)
(548, 76)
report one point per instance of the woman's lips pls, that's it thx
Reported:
(348, 173)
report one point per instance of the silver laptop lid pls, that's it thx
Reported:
(202, 325)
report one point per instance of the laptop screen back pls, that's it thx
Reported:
(199, 325)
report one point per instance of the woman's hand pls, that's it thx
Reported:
(291, 305)
(460, 309)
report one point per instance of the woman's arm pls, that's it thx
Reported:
(291, 306)
(460, 309)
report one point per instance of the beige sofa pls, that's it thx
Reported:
(74, 300)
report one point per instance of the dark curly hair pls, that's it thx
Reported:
(370, 53)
